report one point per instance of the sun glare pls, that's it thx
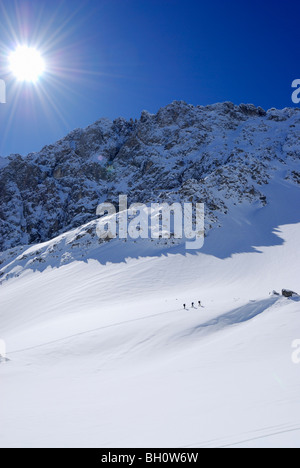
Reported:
(26, 64)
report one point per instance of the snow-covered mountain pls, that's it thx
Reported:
(3, 162)
(218, 154)
(101, 352)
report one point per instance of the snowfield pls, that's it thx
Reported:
(102, 354)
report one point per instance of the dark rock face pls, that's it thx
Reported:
(288, 293)
(183, 153)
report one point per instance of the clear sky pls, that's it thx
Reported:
(117, 57)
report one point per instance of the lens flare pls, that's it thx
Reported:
(26, 64)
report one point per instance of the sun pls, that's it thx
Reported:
(27, 64)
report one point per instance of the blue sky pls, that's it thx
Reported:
(117, 57)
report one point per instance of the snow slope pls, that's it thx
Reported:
(102, 354)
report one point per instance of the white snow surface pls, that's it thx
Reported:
(102, 354)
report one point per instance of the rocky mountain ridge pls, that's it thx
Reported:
(221, 155)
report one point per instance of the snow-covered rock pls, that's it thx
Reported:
(289, 293)
(3, 162)
(220, 154)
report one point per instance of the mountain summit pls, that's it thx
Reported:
(219, 154)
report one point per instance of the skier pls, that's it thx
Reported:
(199, 303)
(192, 305)
(184, 305)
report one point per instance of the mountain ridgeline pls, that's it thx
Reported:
(221, 155)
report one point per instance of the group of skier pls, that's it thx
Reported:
(193, 305)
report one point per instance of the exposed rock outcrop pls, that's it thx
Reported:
(219, 154)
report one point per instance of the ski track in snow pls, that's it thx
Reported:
(265, 433)
(243, 314)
